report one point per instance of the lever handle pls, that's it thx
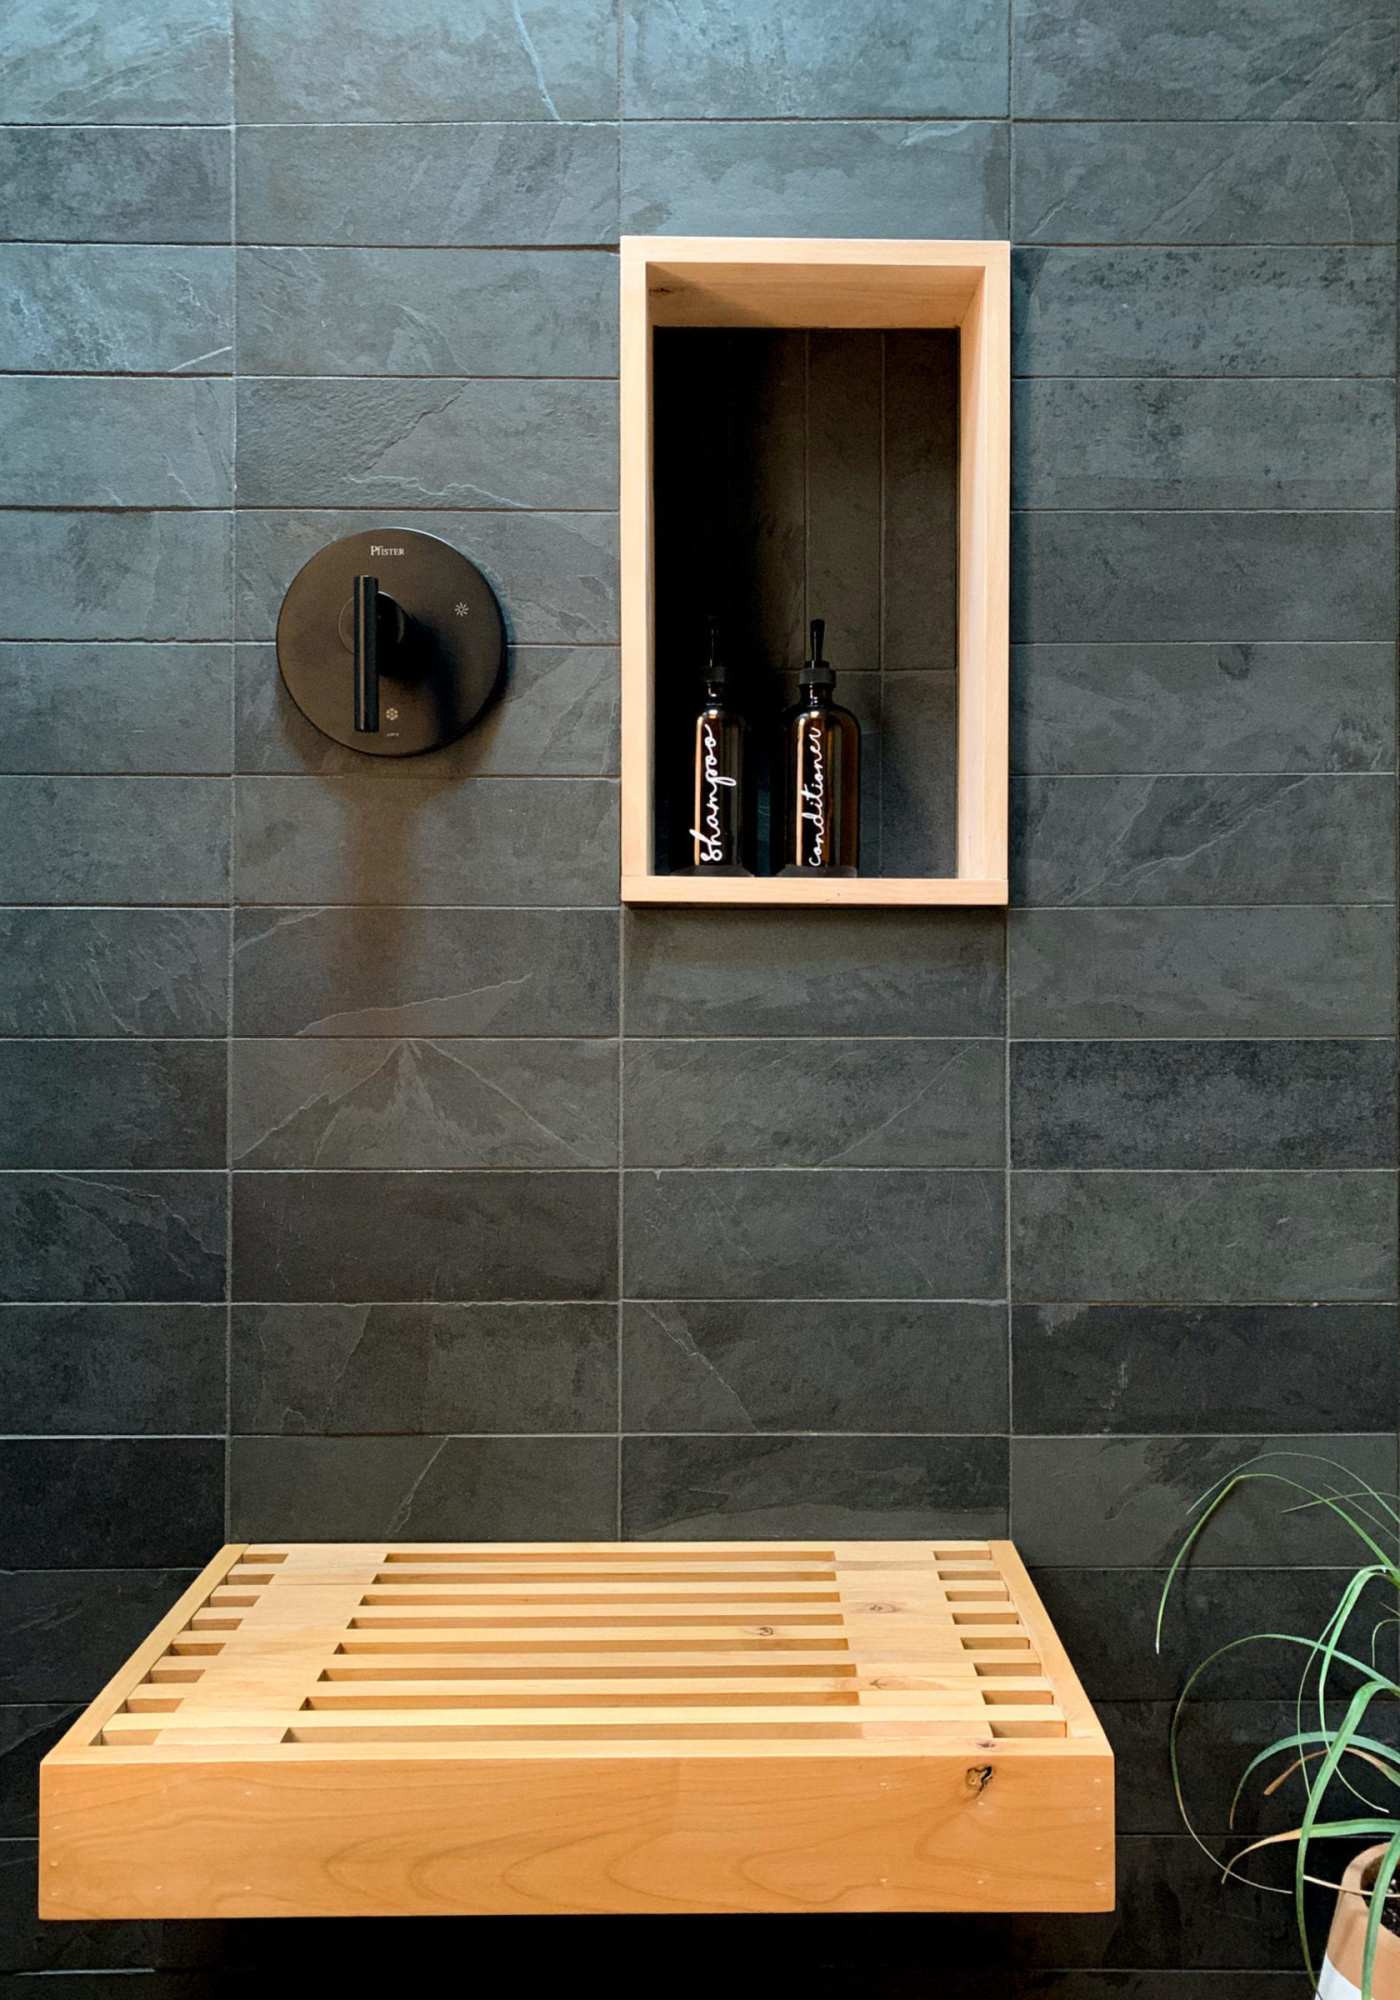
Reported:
(366, 655)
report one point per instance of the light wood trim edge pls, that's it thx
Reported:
(984, 535)
(867, 890)
(637, 559)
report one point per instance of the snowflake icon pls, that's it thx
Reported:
(461, 609)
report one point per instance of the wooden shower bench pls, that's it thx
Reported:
(332, 1729)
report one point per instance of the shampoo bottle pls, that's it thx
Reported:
(718, 829)
(821, 764)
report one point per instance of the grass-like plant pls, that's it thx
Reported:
(1348, 1777)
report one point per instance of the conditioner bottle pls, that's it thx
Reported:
(821, 765)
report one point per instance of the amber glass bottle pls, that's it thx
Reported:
(718, 828)
(821, 768)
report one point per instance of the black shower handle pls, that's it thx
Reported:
(366, 619)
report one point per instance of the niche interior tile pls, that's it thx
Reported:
(117, 576)
(70, 1629)
(86, 1502)
(918, 774)
(826, 178)
(423, 1368)
(110, 309)
(425, 972)
(113, 443)
(919, 583)
(1193, 311)
(114, 840)
(1203, 1236)
(82, 62)
(429, 186)
(1268, 971)
(1152, 1369)
(137, 1236)
(105, 1104)
(323, 311)
(115, 184)
(113, 972)
(329, 1237)
(817, 1365)
(162, 708)
(1227, 182)
(87, 1369)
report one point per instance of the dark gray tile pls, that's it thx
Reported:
(127, 1369)
(106, 310)
(69, 1630)
(766, 59)
(430, 443)
(1203, 1104)
(79, 62)
(488, 840)
(1203, 840)
(1190, 972)
(80, 1503)
(812, 1103)
(113, 972)
(1107, 443)
(706, 1488)
(1129, 1503)
(919, 571)
(919, 774)
(428, 185)
(1310, 707)
(844, 450)
(697, 1365)
(427, 312)
(434, 59)
(1185, 59)
(115, 184)
(1202, 312)
(348, 1236)
(556, 716)
(113, 443)
(144, 1236)
(1203, 1236)
(26, 1735)
(161, 708)
(1160, 576)
(105, 1104)
(1148, 1369)
(556, 573)
(413, 1105)
(1216, 183)
(423, 1368)
(114, 840)
(820, 179)
(118, 576)
(831, 972)
(835, 1233)
(447, 1488)
(421, 972)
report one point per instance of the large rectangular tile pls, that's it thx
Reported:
(834, 1233)
(113, 310)
(1185, 59)
(427, 312)
(1191, 311)
(765, 59)
(1289, 707)
(81, 62)
(118, 576)
(1211, 576)
(104, 1104)
(162, 708)
(446, 185)
(1228, 182)
(488, 840)
(808, 1103)
(119, 1368)
(827, 972)
(1129, 1503)
(68, 1630)
(75, 1503)
(1203, 1236)
(432, 1488)
(113, 972)
(703, 1489)
(1123, 443)
(1149, 1369)
(702, 1365)
(918, 775)
(1203, 840)
(343, 1236)
(425, 972)
(1280, 971)
(141, 1236)
(1203, 1104)
(437, 442)
(417, 1105)
(113, 443)
(555, 717)
(824, 178)
(423, 1368)
(114, 840)
(557, 572)
(433, 59)
(115, 184)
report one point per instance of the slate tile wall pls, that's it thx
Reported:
(364, 1170)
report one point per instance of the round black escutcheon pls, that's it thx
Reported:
(391, 642)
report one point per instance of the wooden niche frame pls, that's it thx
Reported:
(831, 282)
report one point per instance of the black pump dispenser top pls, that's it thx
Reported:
(817, 672)
(716, 671)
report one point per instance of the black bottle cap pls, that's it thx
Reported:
(817, 672)
(716, 672)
